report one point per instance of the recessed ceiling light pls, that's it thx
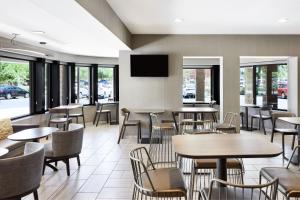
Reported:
(283, 20)
(38, 32)
(178, 20)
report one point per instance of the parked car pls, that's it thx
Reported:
(282, 90)
(189, 93)
(9, 91)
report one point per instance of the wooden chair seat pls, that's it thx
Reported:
(212, 164)
(289, 180)
(262, 116)
(166, 181)
(286, 130)
(103, 111)
(59, 120)
(132, 122)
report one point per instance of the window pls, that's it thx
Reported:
(14, 88)
(196, 85)
(270, 85)
(82, 85)
(105, 83)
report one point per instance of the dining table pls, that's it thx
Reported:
(195, 111)
(294, 121)
(222, 147)
(3, 151)
(146, 140)
(32, 134)
(69, 107)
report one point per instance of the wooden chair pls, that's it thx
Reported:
(265, 113)
(152, 182)
(77, 115)
(127, 122)
(229, 123)
(222, 190)
(58, 116)
(283, 131)
(289, 179)
(99, 112)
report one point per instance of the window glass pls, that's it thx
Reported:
(196, 85)
(105, 84)
(82, 89)
(14, 88)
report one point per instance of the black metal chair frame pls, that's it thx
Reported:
(262, 117)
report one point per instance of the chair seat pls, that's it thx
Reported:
(132, 122)
(166, 181)
(75, 115)
(223, 193)
(286, 130)
(289, 180)
(60, 120)
(262, 116)
(103, 111)
(212, 164)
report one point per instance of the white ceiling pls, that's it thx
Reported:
(209, 16)
(68, 27)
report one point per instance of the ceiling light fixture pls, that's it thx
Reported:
(178, 20)
(283, 20)
(38, 32)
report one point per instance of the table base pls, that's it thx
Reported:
(146, 140)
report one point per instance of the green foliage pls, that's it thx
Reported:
(14, 73)
(105, 73)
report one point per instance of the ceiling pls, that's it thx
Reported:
(68, 27)
(209, 16)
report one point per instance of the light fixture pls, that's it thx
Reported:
(38, 32)
(178, 20)
(283, 20)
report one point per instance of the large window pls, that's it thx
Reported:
(105, 83)
(14, 88)
(82, 85)
(196, 85)
(264, 85)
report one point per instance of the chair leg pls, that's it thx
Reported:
(123, 132)
(138, 132)
(55, 163)
(78, 160)
(120, 134)
(293, 142)
(35, 195)
(44, 166)
(68, 166)
(95, 117)
(242, 117)
(98, 119)
(272, 135)
(83, 120)
(107, 116)
(263, 126)
(251, 124)
(283, 147)
(76, 120)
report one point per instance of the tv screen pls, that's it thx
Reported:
(149, 65)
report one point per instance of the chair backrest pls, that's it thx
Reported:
(212, 103)
(125, 112)
(230, 191)
(276, 115)
(266, 110)
(229, 117)
(58, 111)
(68, 143)
(22, 174)
(138, 158)
(99, 106)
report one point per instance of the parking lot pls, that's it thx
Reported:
(14, 107)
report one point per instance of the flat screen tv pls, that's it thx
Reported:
(149, 65)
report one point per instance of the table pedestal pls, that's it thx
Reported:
(221, 169)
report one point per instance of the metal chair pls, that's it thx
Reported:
(289, 179)
(64, 146)
(22, 175)
(229, 123)
(127, 122)
(150, 181)
(59, 116)
(283, 131)
(161, 147)
(222, 190)
(77, 115)
(99, 111)
(265, 113)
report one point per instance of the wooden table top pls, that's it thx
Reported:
(147, 111)
(224, 146)
(291, 120)
(195, 110)
(32, 134)
(3, 151)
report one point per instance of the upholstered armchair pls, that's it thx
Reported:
(64, 146)
(21, 175)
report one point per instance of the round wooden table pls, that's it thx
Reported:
(223, 146)
(32, 134)
(3, 151)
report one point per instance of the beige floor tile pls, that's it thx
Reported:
(94, 183)
(85, 196)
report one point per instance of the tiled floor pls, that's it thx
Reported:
(105, 172)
